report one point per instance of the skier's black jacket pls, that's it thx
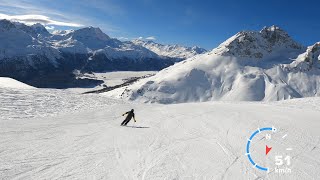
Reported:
(130, 115)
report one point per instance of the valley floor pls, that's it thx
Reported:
(56, 134)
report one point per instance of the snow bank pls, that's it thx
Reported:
(212, 78)
(12, 83)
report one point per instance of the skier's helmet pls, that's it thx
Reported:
(132, 110)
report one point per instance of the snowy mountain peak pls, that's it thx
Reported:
(40, 29)
(308, 60)
(172, 51)
(91, 37)
(253, 44)
(6, 25)
(313, 53)
(272, 28)
(198, 49)
(275, 35)
(91, 32)
(15, 28)
(38, 26)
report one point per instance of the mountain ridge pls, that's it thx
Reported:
(31, 54)
(257, 44)
(174, 51)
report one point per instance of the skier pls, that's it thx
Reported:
(128, 118)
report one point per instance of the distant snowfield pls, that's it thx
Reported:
(11, 83)
(111, 78)
(182, 141)
(118, 77)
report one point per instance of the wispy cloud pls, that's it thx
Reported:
(108, 7)
(18, 7)
(51, 28)
(152, 38)
(53, 15)
(32, 19)
(123, 38)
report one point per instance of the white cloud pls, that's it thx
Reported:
(123, 38)
(152, 38)
(33, 18)
(49, 27)
(20, 7)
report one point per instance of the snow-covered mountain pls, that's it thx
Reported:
(94, 41)
(31, 54)
(177, 52)
(253, 66)
(40, 30)
(19, 40)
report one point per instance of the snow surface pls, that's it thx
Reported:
(21, 104)
(6, 82)
(181, 141)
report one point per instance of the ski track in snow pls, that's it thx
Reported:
(57, 134)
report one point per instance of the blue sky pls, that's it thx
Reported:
(188, 22)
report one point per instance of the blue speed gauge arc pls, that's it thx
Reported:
(259, 130)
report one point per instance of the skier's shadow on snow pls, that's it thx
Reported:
(137, 127)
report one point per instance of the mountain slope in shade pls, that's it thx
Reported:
(230, 73)
(173, 51)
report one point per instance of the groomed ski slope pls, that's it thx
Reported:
(183, 141)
